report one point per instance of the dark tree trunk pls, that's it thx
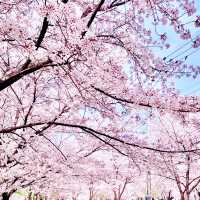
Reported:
(5, 196)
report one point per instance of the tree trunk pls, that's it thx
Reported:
(115, 195)
(182, 197)
(5, 196)
(185, 196)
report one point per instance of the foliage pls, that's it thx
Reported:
(80, 78)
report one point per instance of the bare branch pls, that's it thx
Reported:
(14, 78)
(146, 104)
(42, 32)
(93, 16)
(90, 130)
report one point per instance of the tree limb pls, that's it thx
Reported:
(42, 32)
(90, 130)
(14, 78)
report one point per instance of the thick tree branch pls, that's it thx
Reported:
(95, 13)
(90, 130)
(147, 104)
(42, 32)
(14, 78)
(93, 16)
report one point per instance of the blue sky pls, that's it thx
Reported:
(179, 49)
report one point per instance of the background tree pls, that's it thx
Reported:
(181, 169)
(61, 73)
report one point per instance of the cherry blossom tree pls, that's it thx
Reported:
(182, 169)
(86, 69)
(25, 166)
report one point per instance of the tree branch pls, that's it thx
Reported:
(90, 130)
(42, 32)
(93, 16)
(146, 104)
(115, 3)
(14, 78)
